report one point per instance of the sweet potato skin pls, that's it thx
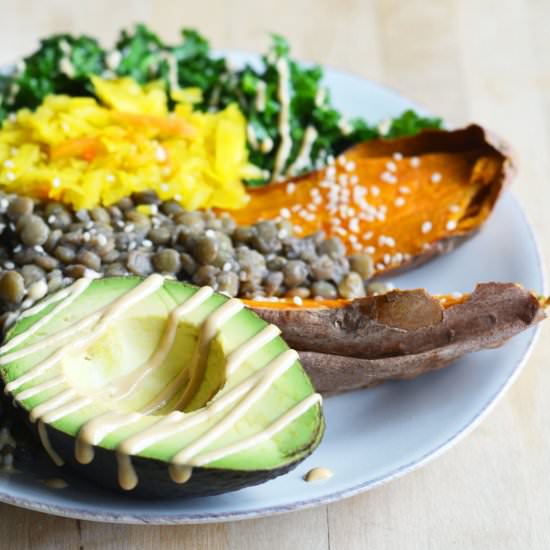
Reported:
(402, 334)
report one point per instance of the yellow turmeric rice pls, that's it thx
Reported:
(85, 152)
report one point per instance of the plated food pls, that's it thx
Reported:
(109, 172)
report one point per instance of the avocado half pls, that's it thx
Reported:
(159, 388)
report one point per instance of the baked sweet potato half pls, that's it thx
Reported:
(401, 334)
(402, 201)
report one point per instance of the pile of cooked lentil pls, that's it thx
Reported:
(45, 246)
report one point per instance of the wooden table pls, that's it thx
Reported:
(468, 60)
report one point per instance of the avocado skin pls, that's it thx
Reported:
(154, 479)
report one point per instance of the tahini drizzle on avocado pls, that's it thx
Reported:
(67, 401)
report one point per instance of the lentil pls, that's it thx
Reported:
(139, 263)
(324, 289)
(89, 259)
(205, 250)
(351, 286)
(12, 287)
(362, 264)
(20, 206)
(228, 283)
(167, 261)
(333, 247)
(32, 230)
(32, 273)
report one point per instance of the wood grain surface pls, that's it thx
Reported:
(468, 60)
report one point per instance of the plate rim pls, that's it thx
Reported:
(415, 464)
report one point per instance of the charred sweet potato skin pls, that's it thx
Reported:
(401, 334)
(403, 201)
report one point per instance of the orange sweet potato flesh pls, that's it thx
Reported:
(402, 201)
(401, 334)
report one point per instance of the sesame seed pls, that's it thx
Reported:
(454, 208)
(350, 166)
(298, 301)
(404, 190)
(367, 235)
(370, 250)
(51, 219)
(10, 176)
(415, 162)
(375, 190)
(86, 236)
(451, 225)
(399, 201)
(380, 266)
(284, 213)
(226, 266)
(210, 233)
(383, 240)
(354, 179)
(290, 188)
(436, 177)
(9, 265)
(330, 172)
(129, 228)
(352, 238)
(397, 156)
(388, 177)
(9, 163)
(330, 160)
(391, 166)
(354, 225)
(161, 154)
(426, 227)
(340, 231)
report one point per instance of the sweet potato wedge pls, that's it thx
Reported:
(401, 334)
(402, 201)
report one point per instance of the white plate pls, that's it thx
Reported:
(373, 435)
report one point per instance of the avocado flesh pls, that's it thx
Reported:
(130, 341)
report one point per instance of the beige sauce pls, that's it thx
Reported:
(303, 158)
(236, 401)
(283, 93)
(55, 483)
(318, 474)
(260, 96)
(67, 296)
(45, 440)
(200, 354)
